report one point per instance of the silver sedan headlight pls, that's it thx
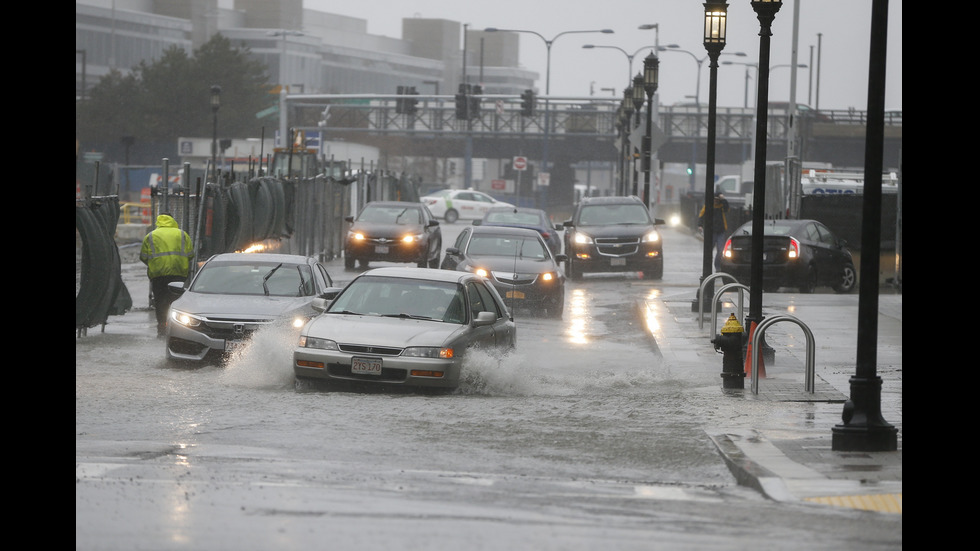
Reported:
(428, 352)
(316, 342)
(185, 319)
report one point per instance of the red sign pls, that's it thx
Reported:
(520, 163)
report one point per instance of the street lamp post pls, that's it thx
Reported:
(638, 90)
(626, 153)
(547, 80)
(863, 427)
(715, 27)
(215, 105)
(766, 12)
(651, 80)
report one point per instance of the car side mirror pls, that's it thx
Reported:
(567, 223)
(330, 293)
(453, 251)
(320, 304)
(433, 223)
(176, 288)
(559, 258)
(477, 222)
(658, 221)
(349, 218)
(484, 318)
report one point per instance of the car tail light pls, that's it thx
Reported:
(794, 248)
(545, 234)
(727, 251)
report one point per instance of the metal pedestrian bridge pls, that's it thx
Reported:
(573, 129)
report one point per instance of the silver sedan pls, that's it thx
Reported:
(402, 326)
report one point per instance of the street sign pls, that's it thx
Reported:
(520, 163)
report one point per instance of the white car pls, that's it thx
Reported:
(453, 204)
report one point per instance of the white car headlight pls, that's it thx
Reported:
(652, 237)
(185, 319)
(582, 239)
(316, 342)
(428, 352)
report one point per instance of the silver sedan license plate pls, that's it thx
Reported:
(365, 366)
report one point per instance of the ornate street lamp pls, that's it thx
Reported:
(637, 90)
(766, 12)
(215, 105)
(715, 26)
(627, 151)
(651, 80)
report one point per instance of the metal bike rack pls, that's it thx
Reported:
(810, 351)
(704, 283)
(714, 303)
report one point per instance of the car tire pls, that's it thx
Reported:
(656, 271)
(362, 263)
(555, 309)
(848, 280)
(452, 216)
(809, 284)
(349, 262)
(573, 273)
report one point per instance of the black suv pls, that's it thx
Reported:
(613, 234)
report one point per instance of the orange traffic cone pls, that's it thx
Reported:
(748, 357)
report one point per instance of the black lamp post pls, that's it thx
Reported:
(864, 428)
(651, 80)
(765, 10)
(215, 105)
(627, 152)
(638, 90)
(715, 27)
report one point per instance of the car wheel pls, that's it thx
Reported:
(555, 309)
(809, 284)
(656, 271)
(362, 263)
(349, 262)
(452, 216)
(848, 280)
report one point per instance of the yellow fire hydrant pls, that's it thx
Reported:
(730, 343)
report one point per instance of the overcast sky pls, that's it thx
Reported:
(844, 26)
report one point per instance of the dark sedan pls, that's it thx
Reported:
(802, 254)
(393, 231)
(517, 262)
(524, 217)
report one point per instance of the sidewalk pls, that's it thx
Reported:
(781, 443)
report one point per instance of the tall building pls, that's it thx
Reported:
(309, 51)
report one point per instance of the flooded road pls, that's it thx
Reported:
(581, 438)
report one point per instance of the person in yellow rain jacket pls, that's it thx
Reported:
(719, 226)
(167, 252)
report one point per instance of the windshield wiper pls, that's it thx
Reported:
(265, 280)
(407, 316)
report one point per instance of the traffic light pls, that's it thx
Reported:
(474, 111)
(690, 170)
(399, 101)
(527, 103)
(410, 103)
(461, 103)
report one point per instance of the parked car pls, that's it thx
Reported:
(403, 327)
(803, 254)
(393, 231)
(233, 295)
(516, 261)
(524, 217)
(613, 234)
(466, 204)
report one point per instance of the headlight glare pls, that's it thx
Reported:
(582, 239)
(652, 237)
(185, 319)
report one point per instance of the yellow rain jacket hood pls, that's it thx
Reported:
(167, 250)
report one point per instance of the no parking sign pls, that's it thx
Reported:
(520, 163)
